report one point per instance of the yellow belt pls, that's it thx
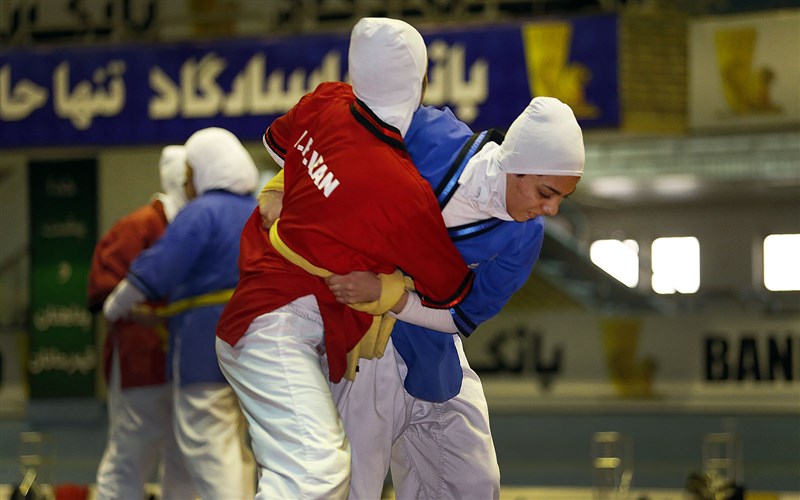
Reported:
(183, 305)
(207, 299)
(373, 343)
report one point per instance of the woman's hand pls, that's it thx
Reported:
(358, 286)
(270, 204)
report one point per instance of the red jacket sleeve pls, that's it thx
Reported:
(117, 248)
(278, 136)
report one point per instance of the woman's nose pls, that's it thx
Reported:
(551, 207)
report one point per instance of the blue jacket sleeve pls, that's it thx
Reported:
(499, 277)
(161, 268)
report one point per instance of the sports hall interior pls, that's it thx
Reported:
(658, 337)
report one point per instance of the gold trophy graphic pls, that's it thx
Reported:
(549, 71)
(630, 377)
(746, 89)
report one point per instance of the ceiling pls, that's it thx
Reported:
(622, 169)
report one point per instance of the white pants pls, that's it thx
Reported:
(436, 450)
(279, 373)
(139, 434)
(211, 434)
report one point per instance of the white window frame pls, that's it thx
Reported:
(675, 273)
(619, 258)
(781, 267)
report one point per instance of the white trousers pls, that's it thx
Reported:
(435, 450)
(279, 373)
(140, 433)
(212, 437)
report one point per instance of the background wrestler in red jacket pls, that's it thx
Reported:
(134, 357)
(140, 348)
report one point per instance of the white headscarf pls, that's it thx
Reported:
(387, 63)
(172, 170)
(544, 140)
(220, 161)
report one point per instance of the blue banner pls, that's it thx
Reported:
(158, 94)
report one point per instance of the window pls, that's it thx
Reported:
(782, 262)
(618, 258)
(676, 265)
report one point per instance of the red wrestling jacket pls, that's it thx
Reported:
(353, 201)
(141, 349)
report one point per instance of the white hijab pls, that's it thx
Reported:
(172, 170)
(387, 63)
(544, 140)
(220, 161)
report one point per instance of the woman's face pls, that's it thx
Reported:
(528, 196)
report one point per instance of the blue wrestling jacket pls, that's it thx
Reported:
(501, 253)
(197, 254)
